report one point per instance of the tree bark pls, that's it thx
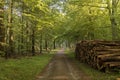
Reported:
(11, 44)
(2, 28)
(91, 30)
(46, 44)
(41, 43)
(112, 12)
(33, 42)
(22, 29)
(9, 32)
(54, 44)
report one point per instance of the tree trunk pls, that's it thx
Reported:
(22, 29)
(54, 44)
(112, 12)
(11, 44)
(41, 43)
(114, 30)
(33, 42)
(9, 38)
(91, 35)
(28, 38)
(46, 44)
(2, 29)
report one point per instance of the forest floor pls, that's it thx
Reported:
(62, 67)
(24, 68)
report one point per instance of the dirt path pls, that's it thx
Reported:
(62, 68)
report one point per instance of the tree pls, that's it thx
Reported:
(2, 28)
(112, 7)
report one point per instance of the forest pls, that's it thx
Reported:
(30, 26)
(32, 31)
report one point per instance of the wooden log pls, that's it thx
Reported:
(99, 53)
(112, 64)
(118, 79)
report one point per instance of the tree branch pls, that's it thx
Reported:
(93, 5)
(117, 1)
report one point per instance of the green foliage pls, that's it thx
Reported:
(88, 20)
(66, 22)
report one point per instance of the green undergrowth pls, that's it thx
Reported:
(23, 69)
(93, 73)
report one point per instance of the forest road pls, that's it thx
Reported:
(62, 67)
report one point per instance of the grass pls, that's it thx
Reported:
(23, 69)
(93, 73)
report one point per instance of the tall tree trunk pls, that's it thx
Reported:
(54, 44)
(27, 37)
(9, 38)
(91, 35)
(112, 12)
(33, 42)
(46, 44)
(113, 27)
(2, 28)
(22, 29)
(11, 44)
(41, 42)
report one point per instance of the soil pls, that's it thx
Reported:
(61, 67)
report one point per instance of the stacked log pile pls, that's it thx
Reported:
(102, 55)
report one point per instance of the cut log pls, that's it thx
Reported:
(99, 54)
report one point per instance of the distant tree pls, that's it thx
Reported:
(112, 7)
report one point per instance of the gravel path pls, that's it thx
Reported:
(62, 68)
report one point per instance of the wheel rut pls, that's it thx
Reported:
(62, 68)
